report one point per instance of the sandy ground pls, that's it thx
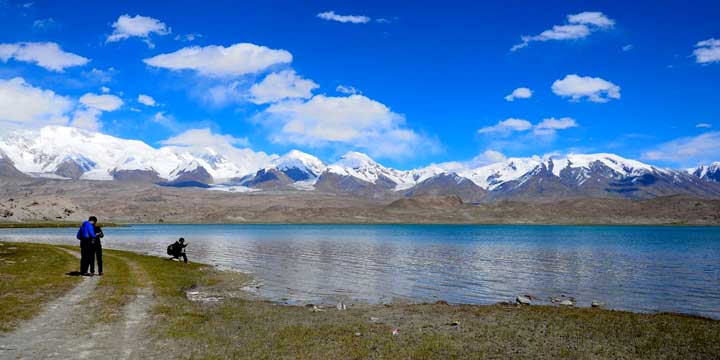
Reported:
(39, 200)
(65, 330)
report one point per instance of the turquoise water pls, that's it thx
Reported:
(646, 269)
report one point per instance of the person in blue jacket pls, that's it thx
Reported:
(86, 235)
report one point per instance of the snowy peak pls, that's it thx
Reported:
(356, 160)
(491, 176)
(96, 156)
(362, 167)
(707, 172)
(299, 165)
(619, 165)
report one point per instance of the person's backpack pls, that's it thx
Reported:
(170, 250)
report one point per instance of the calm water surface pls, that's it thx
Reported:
(644, 269)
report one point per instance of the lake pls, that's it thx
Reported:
(646, 269)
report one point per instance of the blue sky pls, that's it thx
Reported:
(430, 79)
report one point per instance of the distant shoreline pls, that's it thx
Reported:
(44, 225)
(47, 225)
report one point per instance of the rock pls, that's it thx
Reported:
(341, 306)
(522, 300)
(374, 319)
(358, 334)
(198, 296)
(396, 332)
(316, 309)
(563, 300)
(596, 304)
(441, 302)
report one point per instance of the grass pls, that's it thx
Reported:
(30, 276)
(241, 328)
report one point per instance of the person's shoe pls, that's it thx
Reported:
(100, 273)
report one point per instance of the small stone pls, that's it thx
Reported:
(566, 303)
(341, 306)
(358, 334)
(522, 300)
(396, 332)
(441, 302)
(374, 319)
(596, 304)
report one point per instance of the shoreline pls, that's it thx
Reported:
(197, 307)
(44, 225)
(254, 296)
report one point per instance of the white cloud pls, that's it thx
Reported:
(203, 137)
(507, 126)
(707, 51)
(220, 61)
(86, 118)
(280, 86)
(548, 126)
(128, 26)
(93, 106)
(146, 100)
(594, 18)
(332, 16)
(487, 157)
(99, 76)
(43, 24)
(688, 151)
(355, 121)
(105, 89)
(48, 55)
(703, 125)
(23, 104)
(349, 90)
(579, 26)
(223, 94)
(628, 47)
(188, 37)
(578, 87)
(103, 102)
(519, 93)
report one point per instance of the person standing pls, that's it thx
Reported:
(86, 234)
(97, 251)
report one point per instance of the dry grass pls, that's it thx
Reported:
(30, 276)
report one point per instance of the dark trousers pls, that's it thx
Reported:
(86, 255)
(97, 254)
(182, 255)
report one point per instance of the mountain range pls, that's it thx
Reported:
(66, 153)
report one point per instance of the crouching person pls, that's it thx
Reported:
(177, 250)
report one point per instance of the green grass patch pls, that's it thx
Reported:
(30, 276)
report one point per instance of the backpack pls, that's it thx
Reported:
(170, 250)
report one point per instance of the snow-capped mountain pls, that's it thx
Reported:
(299, 166)
(75, 153)
(707, 172)
(70, 153)
(491, 176)
(599, 175)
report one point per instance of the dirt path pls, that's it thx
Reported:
(62, 330)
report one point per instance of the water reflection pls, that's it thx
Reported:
(634, 268)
